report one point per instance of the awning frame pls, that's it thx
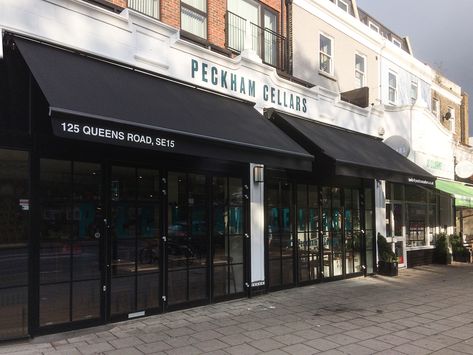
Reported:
(339, 166)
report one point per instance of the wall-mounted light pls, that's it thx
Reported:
(447, 116)
(258, 173)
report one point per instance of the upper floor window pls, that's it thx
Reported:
(392, 88)
(250, 20)
(436, 107)
(451, 111)
(147, 7)
(194, 17)
(343, 5)
(360, 71)
(326, 54)
(373, 26)
(396, 42)
(414, 91)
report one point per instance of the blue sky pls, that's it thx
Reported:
(441, 34)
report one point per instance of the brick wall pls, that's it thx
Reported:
(444, 105)
(170, 12)
(216, 11)
(216, 22)
(121, 3)
(464, 119)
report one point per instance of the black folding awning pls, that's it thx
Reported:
(99, 101)
(350, 153)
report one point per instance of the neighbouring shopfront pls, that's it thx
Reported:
(321, 226)
(316, 232)
(463, 195)
(414, 217)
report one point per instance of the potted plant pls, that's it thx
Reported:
(441, 251)
(459, 251)
(388, 263)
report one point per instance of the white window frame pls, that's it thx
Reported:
(452, 118)
(414, 83)
(436, 107)
(198, 13)
(393, 102)
(362, 73)
(345, 7)
(373, 26)
(397, 43)
(330, 56)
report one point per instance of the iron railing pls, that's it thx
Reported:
(269, 45)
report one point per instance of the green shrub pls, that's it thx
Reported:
(458, 248)
(385, 251)
(441, 249)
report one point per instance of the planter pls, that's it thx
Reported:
(462, 258)
(388, 268)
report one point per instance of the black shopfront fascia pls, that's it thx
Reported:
(340, 152)
(97, 101)
(73, 133)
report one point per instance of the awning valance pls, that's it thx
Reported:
(463, 193)
(99, 101)
(350, 153)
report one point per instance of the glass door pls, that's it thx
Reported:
(71, 255)
(395, 231)
(228, 239)
(135, 255)
(353, 231)
(188, 244)
(279, 237)
(308, 250)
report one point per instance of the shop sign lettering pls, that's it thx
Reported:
(420, 181)
(103, 134)
(221, 78)
(434, 164)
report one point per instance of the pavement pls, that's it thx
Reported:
(425, 310)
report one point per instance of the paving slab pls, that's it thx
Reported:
(425, 310)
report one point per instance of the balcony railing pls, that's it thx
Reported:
(269, 45)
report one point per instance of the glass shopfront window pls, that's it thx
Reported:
(369, 230)
(411, 214)
(70, 232)
(228, 236)
(329, 240)
(279, 237)
(307, 232)
(14, 222)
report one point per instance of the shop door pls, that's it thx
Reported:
(188, 243)
(134, 235)
(229, 241)
(205, 242)
(395, 231)
(71, 243)
(279, 237)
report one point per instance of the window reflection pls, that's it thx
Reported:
(135, 239)
(14, 221)
(70, 232)
(188, 244)
(279, 237)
